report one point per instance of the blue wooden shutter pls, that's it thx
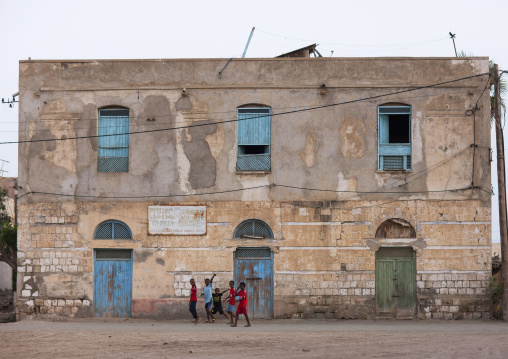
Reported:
(254, 126)
(393, 156)
(113, 150)
(253, 129)
(384, 127)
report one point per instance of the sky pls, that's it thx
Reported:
(149, 29)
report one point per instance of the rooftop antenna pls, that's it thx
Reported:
(2, 166)
(452, 36)
(248, 42)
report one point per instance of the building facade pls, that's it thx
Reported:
(334, 187)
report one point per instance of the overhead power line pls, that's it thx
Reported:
(244, 119)
(273, 185)
(351, 45)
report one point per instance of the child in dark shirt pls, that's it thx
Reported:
(217, 303)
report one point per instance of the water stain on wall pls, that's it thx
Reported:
(352, 136)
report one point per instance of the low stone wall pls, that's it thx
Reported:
(53, 307)
(454, 296)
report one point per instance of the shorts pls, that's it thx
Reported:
(207, 305)
(217, 309)
(231, 308)
(241, 310)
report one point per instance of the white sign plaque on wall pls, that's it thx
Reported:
(177, 220)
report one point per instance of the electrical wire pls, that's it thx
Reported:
(350, 45)
(250, 188)
(244, 119)
(413, 98)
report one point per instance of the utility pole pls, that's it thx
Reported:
(16, 202)
(501, 179)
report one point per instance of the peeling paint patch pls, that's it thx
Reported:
(202, 162)
(183, 163)
(258, 194)
(216, 141)
(308, 155)
(352, 136)
(160, 261)
(142, 256)
(344, 184)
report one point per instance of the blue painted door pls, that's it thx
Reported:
(254, 266)
(113, 283)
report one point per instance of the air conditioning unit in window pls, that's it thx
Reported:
(395, 162)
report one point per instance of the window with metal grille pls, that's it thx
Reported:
(113, 140)
(254, 229)
(108, 254)
(253, 136)
(112, 230)
(394, 138)
(253, 252)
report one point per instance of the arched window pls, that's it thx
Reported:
(395, 228)
(113, 140)
(112, 230)
(253, 228)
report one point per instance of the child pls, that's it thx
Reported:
(231, 304)
(208, 298)
(217, 304)
(193, 300)
(241, 297)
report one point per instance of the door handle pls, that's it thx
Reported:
(253, 278)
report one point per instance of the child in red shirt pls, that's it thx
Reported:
(241, 298)
(231, 303)
(193, 300)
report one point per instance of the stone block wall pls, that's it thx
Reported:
(324, 257)
(54, 267)
(454, 296)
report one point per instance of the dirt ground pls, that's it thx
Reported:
(94, 338)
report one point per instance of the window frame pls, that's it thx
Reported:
(253, 162)
(113, 222)
(107, 159)
(387, 149)
(252, 221)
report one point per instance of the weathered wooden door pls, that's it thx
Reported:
(254, 266)
(113, 283)
(395, 282)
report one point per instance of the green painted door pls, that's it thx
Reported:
(395, 282)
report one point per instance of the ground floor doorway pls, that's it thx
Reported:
(113, 283)
(395, 282)
(254, 266)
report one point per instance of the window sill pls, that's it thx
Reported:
(253, 172)
(394, 171)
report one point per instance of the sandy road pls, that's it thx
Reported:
(92, 338)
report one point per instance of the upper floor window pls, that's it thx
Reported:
(394, 138)
(113, 140)
(253, 132)
(112, 230)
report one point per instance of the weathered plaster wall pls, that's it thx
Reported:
(325, 242)
(333, 148)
